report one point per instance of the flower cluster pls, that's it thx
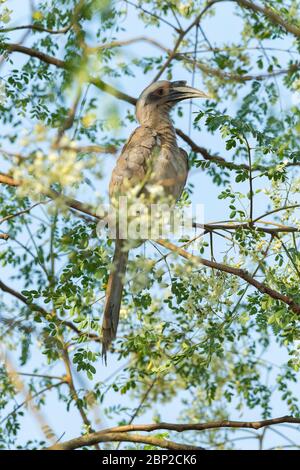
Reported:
(56, 165)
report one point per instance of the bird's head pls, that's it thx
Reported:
(158, 99)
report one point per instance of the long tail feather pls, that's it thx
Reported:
(113, 297)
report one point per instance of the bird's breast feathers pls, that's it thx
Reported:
(145, 158)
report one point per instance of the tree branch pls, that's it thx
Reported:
(212, 158)
(11, 47)
(32, 397)
(181, 36)
(94, 438)
(5, 288)
(247, 226)
(36, 27)
(271, 14)
(128, 42)
(236, 77)
(97, 82)
(205, 68)
(9, 180)
(241, 273)
(120, 433)
(163, 20)
(17, 214)
(4, 236)
(52, 194)
(221, 161)
(91, 148)
(202, 426)
(74, 394)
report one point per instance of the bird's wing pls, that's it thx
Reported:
(185, 170)
(133, 163)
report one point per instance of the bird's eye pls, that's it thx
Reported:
(155, 96)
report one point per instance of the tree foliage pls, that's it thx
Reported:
(209, 327)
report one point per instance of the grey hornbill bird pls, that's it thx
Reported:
(153, 144)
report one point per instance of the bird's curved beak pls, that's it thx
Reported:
(179, 91)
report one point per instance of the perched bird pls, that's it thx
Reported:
(152, 145)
